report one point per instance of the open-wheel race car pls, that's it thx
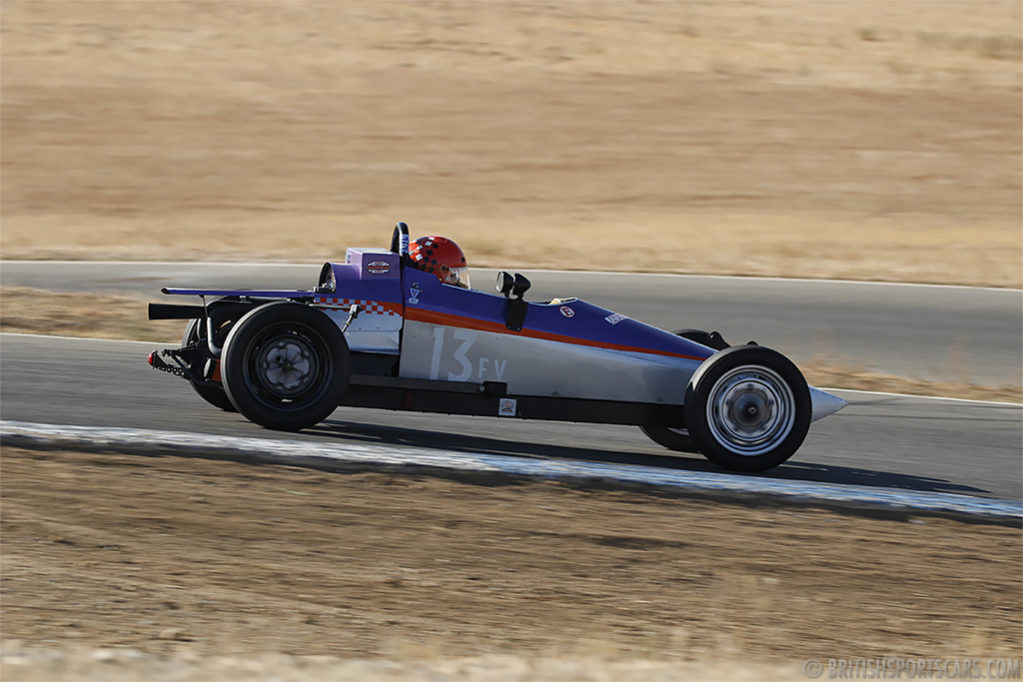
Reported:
(400, 329)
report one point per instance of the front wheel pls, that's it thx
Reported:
(671, 437)
(748, 408)
(285, 366)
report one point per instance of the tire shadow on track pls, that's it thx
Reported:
(793, 471)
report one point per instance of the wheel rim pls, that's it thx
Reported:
(286, 365)
(750, 410)
(287, 369)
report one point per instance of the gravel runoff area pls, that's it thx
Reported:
(164, 566)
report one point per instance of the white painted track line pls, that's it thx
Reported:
(923, 397)
(337, 455)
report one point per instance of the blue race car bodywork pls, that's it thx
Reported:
(377, 332)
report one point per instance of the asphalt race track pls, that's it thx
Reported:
(900, 442)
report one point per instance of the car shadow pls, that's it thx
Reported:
(486, 445)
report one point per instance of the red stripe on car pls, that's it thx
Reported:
(449, 320)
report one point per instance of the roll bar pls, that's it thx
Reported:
(400, 240)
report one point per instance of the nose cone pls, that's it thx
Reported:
(824, 403)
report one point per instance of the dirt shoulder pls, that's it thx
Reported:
(176, 555)
(740, 138)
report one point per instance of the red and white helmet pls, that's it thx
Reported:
(442, 257)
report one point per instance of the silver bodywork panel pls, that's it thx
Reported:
(541, 367)
(372, 331)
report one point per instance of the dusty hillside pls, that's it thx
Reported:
(849, 139)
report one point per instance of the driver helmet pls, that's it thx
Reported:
(442, 257)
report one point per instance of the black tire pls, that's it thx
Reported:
(710, 339)
(285, 366)
(214, 395)
(677, 439)
(747, 408)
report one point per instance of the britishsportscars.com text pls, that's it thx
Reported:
(895, 668)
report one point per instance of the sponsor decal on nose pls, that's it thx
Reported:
(615, 318)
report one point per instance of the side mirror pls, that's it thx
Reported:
(505, 282)
(521, 286)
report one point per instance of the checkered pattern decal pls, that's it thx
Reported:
(368, 307)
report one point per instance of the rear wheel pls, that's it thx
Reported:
(285, 366)
(748, 408)
(195, 333)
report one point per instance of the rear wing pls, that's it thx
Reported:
(172, 311)
(247, 293)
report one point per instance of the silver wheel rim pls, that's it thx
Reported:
(750, 410)
(287, 365)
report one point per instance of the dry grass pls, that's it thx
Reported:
(34, 311)
(845, 377)
(863, 140)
